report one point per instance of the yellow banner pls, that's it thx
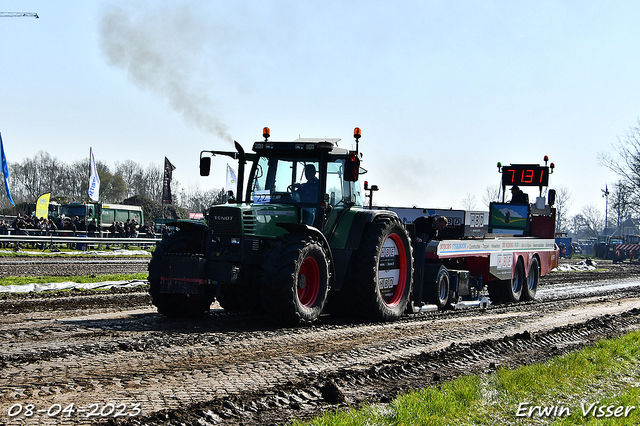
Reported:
(42, 206)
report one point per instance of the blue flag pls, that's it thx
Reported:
(5, 171)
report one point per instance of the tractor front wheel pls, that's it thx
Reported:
(295, 283)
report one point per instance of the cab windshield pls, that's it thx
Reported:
(279, 180)
(296, 181)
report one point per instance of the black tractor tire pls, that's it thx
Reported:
(177, 305)
(382, 271)
(512, 289)
(295, 282)
(530, 288)
(438, 291)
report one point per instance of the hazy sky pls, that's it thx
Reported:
(442, 90)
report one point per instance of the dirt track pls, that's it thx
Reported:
(111, 353)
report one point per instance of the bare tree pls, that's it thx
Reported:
(78, 179)
(492, 194)
(590, 222)
(152, 182)
(34, 176)
(132, 174)
(469, 202)
(624, 160)
(620, 202)
(562, 204)
(196, 200)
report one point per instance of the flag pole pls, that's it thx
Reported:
(90, 152)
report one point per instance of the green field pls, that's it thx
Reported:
(598, 385)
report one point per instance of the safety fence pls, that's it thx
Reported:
(77, 240)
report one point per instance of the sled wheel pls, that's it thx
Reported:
(439, 290)
(383, 274)
(295, 283)
(177, 305)
(531, 287)
(513, 288)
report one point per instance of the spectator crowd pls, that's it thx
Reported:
(73, 226)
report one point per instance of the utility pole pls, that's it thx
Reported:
(605, 194)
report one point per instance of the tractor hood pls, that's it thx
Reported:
(255, 220)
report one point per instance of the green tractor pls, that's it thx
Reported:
(300, 242)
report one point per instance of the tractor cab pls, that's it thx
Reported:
(308, 181)
(315, 176)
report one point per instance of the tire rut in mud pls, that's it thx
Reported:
(237, 369)
(381, 383)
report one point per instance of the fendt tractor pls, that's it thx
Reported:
(300, 242)
(298, 237)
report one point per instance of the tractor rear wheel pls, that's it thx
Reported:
(382, 270)
(177, 305)
(295, 283)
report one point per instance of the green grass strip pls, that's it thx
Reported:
(75, 279)
(598, 385)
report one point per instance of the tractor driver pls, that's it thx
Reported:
(308, 193)
(308, 190)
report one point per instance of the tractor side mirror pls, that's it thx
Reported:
(351, 168)
(205, 166)
(552, 197)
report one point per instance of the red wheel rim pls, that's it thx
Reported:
(392, 293)
(308, 282)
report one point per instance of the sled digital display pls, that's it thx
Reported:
(525, 175)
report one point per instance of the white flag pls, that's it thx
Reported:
(232, 184)
(94, 180)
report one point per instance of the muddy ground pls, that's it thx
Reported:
(108, 357)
